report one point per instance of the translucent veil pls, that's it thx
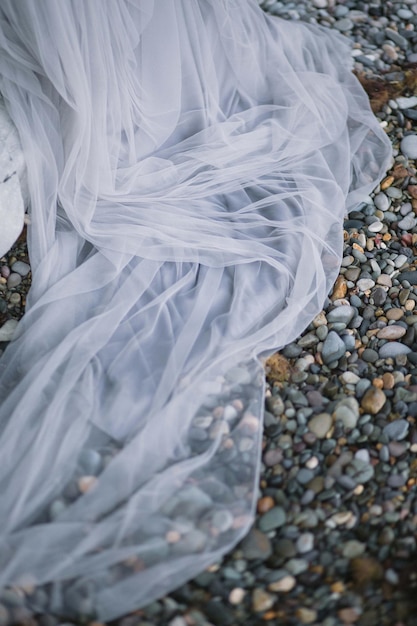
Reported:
(189, 166)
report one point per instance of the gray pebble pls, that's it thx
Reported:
(21, 268)
(409, 146)
(274, 518)
(333, 348)
(391, 349)
(397, 430)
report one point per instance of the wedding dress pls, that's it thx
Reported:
(189, 166)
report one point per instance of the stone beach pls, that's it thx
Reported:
(334, 541)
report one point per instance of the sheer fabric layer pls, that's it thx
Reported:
(189, 166)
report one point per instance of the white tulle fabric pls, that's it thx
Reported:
(189, 166)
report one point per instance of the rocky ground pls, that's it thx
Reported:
(334, 541)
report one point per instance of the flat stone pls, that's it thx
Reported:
(274, 518)
(406, 103)
(373, 400)
(320, 425)
(411, 277)
(364, 284)
(343, 314)
(407, 223)
(397, 430)
(391, 349)
(256, 545)
(393, 331)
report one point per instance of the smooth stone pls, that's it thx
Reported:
(392, 331)
(347, 411)
(353, 548)
(296, 566)
(381, 201)
(369, 355)
(256, 545)
(391, 349)
(333, 348)
(305, 543)
(394, 314)
(262, 600)
(344, 24)
(7, 330)
(407, 223)
(373, 400)
(379, 295)
(21, 268)
(397, 430)
(364, 284)
(343, 314)
(274, 518)
(411, 277)
(408, 146)
(320, 425)
(375, 227)
(14, 280)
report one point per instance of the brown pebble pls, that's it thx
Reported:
(378, 383)
(394, 314)
(388, 380)
(387, 182)
(337, 587)
(340, 288)
(265, 504)
(373, 400)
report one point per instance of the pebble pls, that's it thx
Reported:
(320, 425)
(7, 330)
(409, 146)
(397, 430)
(363, 284)
(284, 585)
(333, 348)
(353, 549)
(256, 545)
(306, 616)
(373, 400)
(407, 223)
(274, 518)
(262, 600)
(21, 268)
(391, 332)
(305, 543)
(344, 24)
(393, 349)
(381, 201)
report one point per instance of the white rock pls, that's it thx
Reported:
(13, 183)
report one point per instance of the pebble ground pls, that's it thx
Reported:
(334, 542)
